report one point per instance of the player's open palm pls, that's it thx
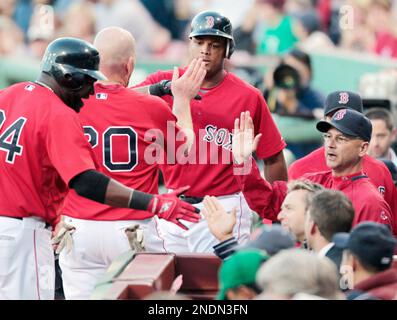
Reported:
(219, 222)
(244, 142)
(188, 85)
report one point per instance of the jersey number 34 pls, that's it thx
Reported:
(9, 138)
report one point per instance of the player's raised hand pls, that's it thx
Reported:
(188, 85)
(169, 207)
(244, 142)
(219, 222)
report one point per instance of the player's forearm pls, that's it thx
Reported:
(262, 197)
(98, 187)
(181, 110)
(276, 168)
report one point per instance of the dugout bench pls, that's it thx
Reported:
(134, 276)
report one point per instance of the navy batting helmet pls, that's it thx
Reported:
(210, 23)
(69, 61)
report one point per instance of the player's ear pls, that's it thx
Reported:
(363, 148)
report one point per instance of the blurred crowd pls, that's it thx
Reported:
(261, 27)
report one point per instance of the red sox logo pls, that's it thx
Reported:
(343, 97)
(340, 114)
(210, 21)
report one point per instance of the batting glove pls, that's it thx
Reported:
(163, 88)
(169, 207)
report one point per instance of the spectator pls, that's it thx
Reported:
(238, 273)
(307, 28)
(11, 38)
(296, 97)
(292, 272)
(294, 206)
(383, 134)
(329, 212)
(367, 259)
(382, 24)
(356, 34)
(131, 15)
(79, 21)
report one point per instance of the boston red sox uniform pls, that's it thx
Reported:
(42, 147)
(120, 124)
(208, 168)
(266, 198)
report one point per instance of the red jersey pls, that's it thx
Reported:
(42, 147)
(209, 167)
(376, 170)
(115, 121)
(266, 199)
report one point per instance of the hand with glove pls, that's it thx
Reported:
(169, 207)
(163, 88)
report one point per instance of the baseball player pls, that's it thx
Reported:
(119, 133)
(43, 153)
(346, 140)
(209, 168)
(377, 172)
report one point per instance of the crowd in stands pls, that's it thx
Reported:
(262, 27)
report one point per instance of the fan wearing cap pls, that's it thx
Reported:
(237, 275)
(367, 261)
(346, 139)
(377, 172)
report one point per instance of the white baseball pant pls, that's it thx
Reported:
(95, 245)
(27, 270)
(199, 238)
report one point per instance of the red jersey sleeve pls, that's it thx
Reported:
(262, 197)
(68, 149)
(271, 141)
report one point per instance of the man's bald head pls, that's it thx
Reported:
(116, 47)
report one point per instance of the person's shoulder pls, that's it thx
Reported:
(371, 162)
(308, 159)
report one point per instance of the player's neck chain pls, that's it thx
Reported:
(43, 85)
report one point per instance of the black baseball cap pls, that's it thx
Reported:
(349, 122)
(373, 243)
(342, 100)
(272, 239)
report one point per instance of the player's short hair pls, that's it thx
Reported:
(332, 212)
(381, 114)
(306, 185)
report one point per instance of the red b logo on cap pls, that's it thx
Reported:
(343, 97)
(210, 21)
(340, 114)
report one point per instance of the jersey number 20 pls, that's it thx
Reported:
(9, 139)
(107, 146)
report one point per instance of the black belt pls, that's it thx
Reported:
(47, 225)
(191, 200)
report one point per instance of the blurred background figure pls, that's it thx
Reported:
(288, 92)
(11, 37)
(79, 21)
(383, 134)
(295, 271)
(151, 37)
